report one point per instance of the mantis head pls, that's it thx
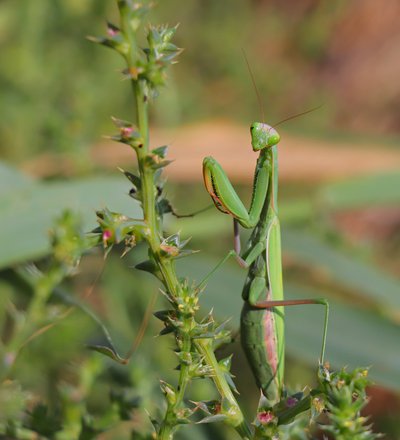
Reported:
(263, 136)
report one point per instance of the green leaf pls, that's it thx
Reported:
(356, 337)
(342, 268)
(160, 151)
(43, 421)
(109, 352)
(27, 213)
(214, 418)
(379, 189)
(12, 401)
(12, 180)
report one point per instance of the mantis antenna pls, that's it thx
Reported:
(255, 86)
(297, 115)
(289, 118)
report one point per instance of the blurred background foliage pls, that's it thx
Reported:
(303, 54)
(341, 236)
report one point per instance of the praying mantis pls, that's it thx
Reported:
(262, 316)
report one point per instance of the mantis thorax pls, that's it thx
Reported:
(263, 136)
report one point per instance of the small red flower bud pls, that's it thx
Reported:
(107, 234)
(291, 402)
(112, 32)
(217, 408)
(126, 131)
(265, 417)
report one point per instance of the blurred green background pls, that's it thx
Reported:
(339, 192)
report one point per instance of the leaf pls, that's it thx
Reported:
(27, 214)
(12, 180)
(214, 418)
(343, 268)
(109, 352)
(378, 189)
(356, 337)
(44, 421)
(13, 400)
(160, 151)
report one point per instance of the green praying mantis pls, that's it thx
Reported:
(262, 317)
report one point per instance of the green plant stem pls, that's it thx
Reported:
(172, 283)
(166, 265)
(33, 319)
(169, 423)
(153, 238)
(20, 433)
(204, 346)
(42, 292)
(290, 413)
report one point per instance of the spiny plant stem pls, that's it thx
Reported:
(166, 266)
(145, 69)
(154, 232)
(35, 316)
(167, 269)
(205, 348)
(169, 423)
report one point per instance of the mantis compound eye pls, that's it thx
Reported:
(273, 138)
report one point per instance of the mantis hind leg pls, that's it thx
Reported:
(298, 302)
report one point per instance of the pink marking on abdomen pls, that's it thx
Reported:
(270, 339)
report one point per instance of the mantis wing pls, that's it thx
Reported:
(274, 270)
